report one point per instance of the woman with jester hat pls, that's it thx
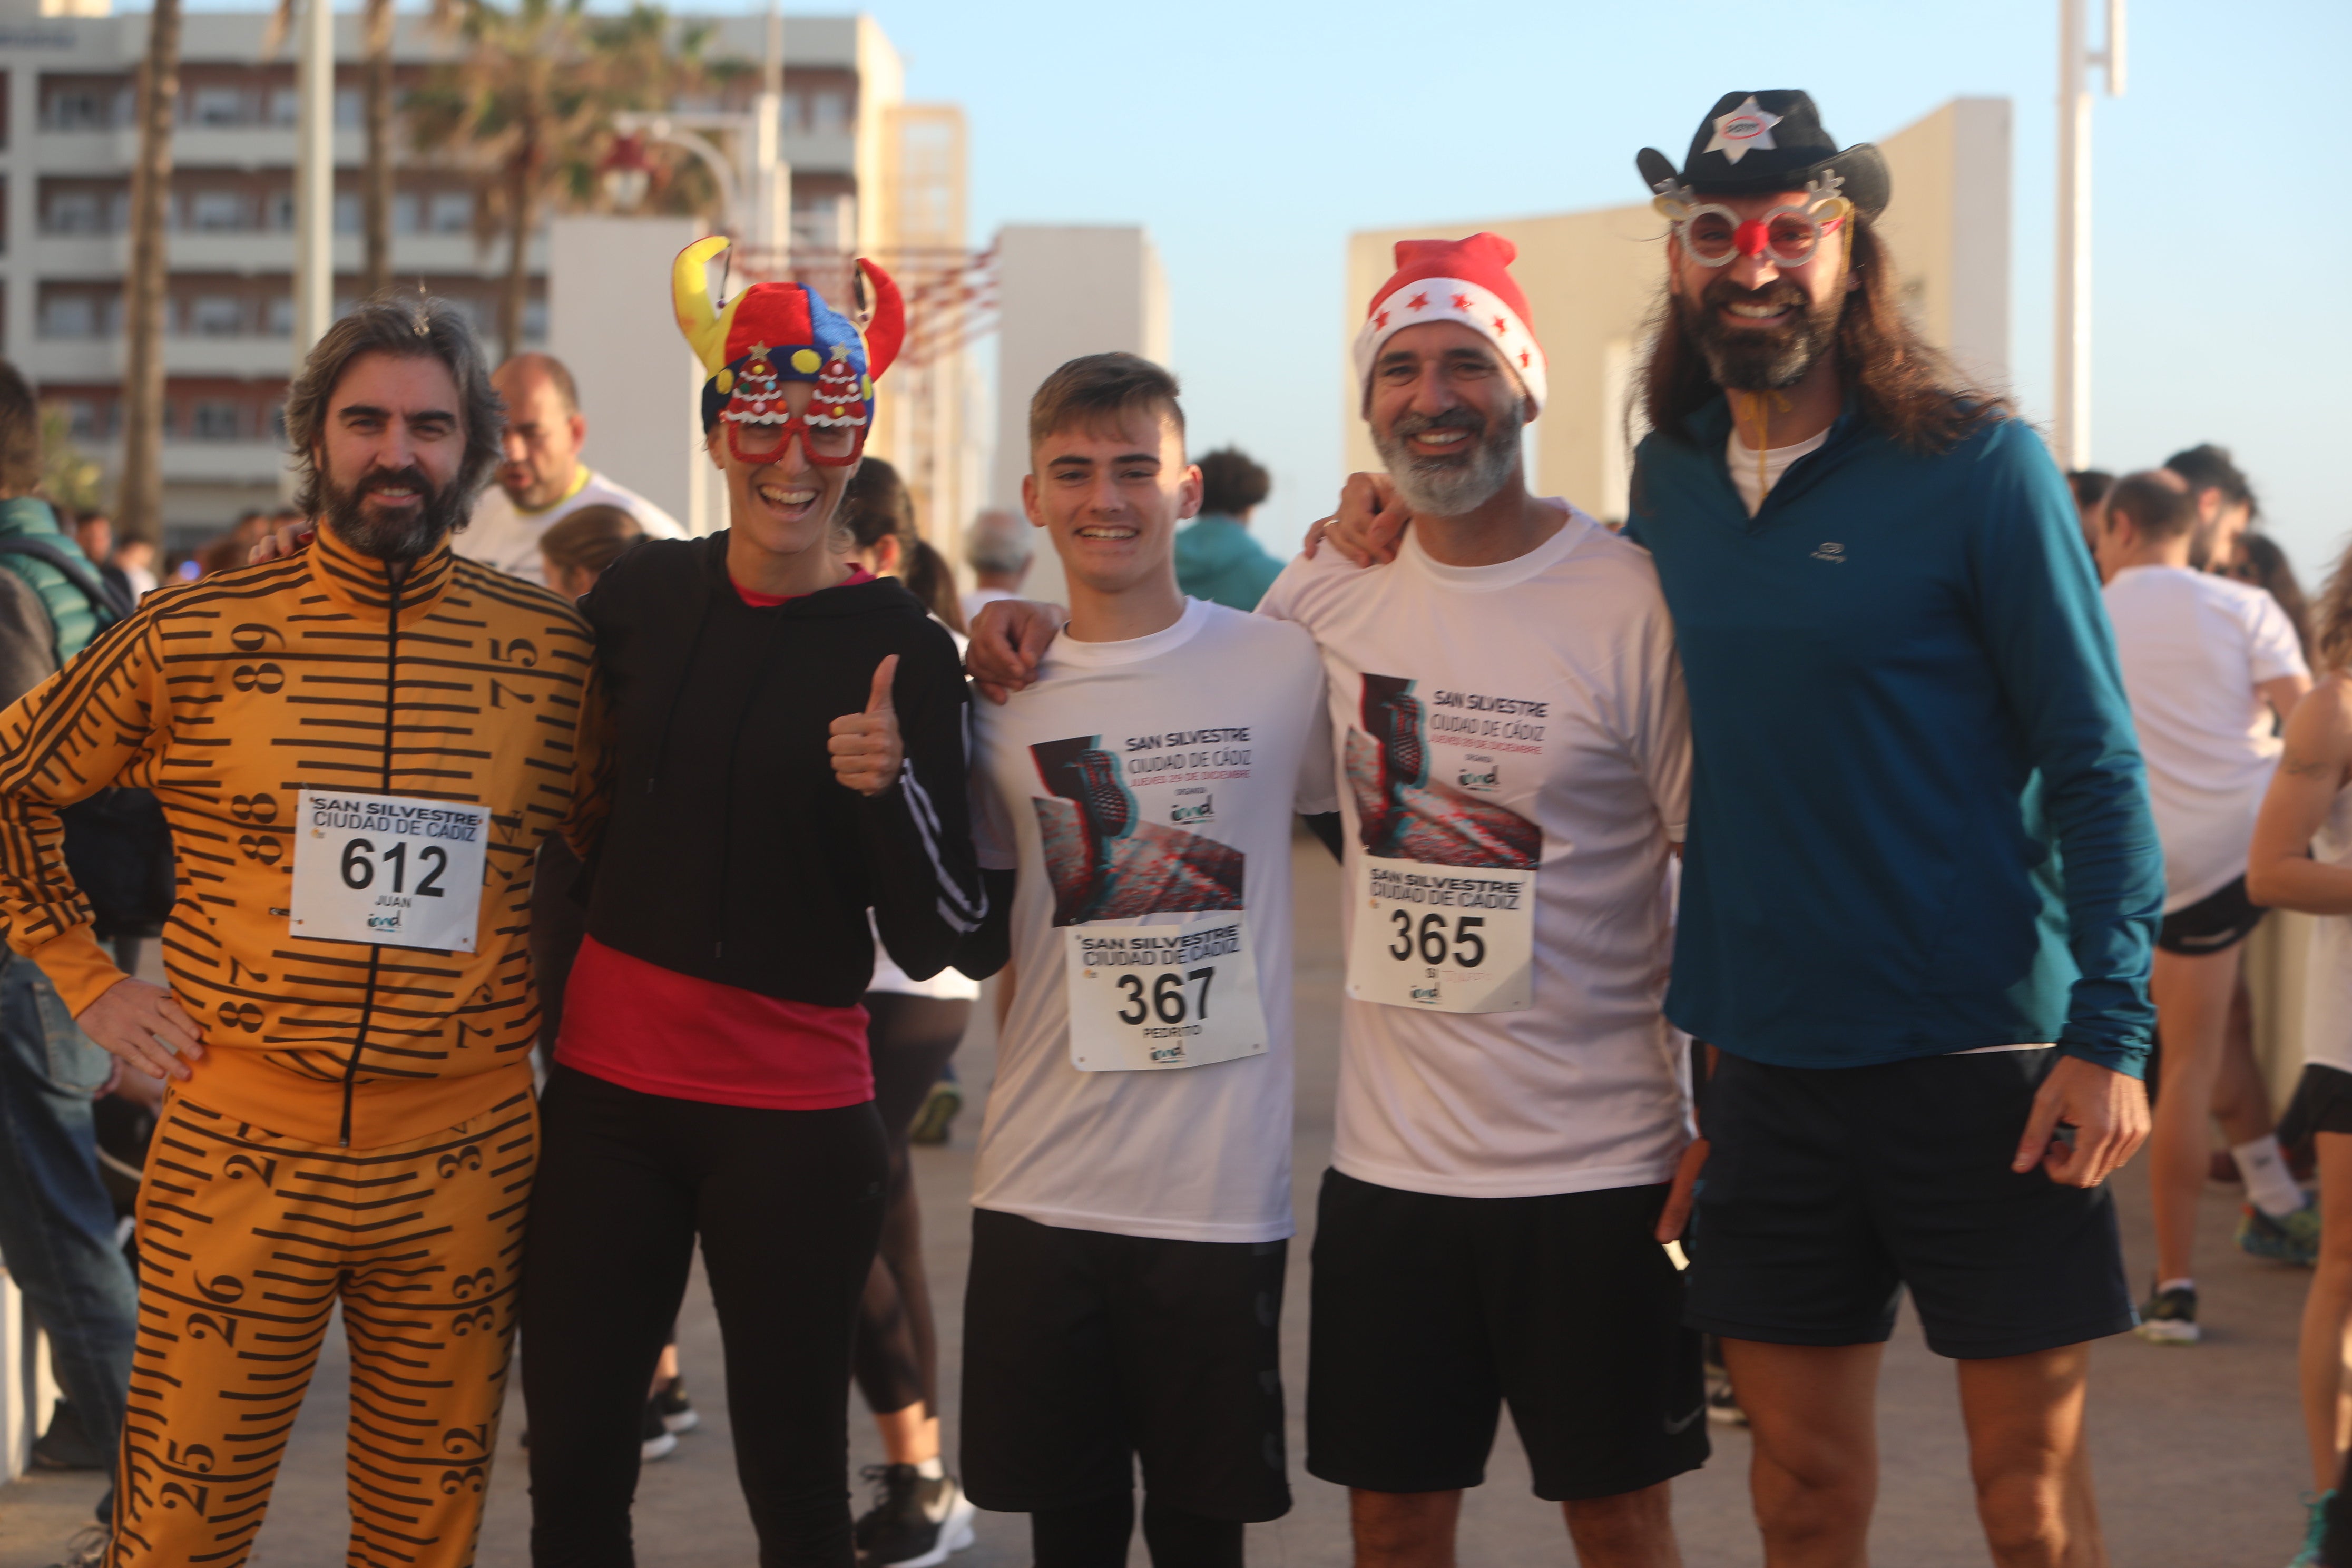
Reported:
(788, 754)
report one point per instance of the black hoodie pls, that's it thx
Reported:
(733, 853)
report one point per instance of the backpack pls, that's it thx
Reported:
(118, 844)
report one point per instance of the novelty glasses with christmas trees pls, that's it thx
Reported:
(760, 422)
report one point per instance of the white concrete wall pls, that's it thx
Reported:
(609, 319)
(1063, 291)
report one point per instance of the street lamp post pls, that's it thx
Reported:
(755, 184)
(314, 178)
(2070, 429)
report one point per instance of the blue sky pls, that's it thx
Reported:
(1252, 138)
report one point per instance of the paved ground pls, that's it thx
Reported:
(2199, 1452)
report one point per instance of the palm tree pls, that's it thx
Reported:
(529, 106)
(141, 512)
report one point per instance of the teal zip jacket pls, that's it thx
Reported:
(23, 517)
(1217, 559)
(1919, 820)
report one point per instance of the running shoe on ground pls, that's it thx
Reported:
(88, 1549)
(2169, 1317)
(2295, 1240)
(915, 1522)
(2313, 1532)
(937, 1115)
(655, 1441)
(1722, 1404)
(677, 1411)
(66, 1446)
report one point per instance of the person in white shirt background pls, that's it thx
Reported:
(2211, 668)
(542, 480)
(996, 547)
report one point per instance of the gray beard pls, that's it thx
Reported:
(1454, 486)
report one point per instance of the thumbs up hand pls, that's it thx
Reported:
(866, 747)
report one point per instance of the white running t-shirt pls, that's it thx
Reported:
(1515, 719)
(2194, 648)
(503, 536)
(1149, 784)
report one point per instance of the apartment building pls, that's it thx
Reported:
(67, 144)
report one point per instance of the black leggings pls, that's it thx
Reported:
(788, 1204)
(1093, 1535)
(911, 1038)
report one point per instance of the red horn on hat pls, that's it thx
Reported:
(887, 333)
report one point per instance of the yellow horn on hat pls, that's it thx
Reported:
(690, 293)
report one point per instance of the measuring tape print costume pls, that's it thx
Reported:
(361, 1127)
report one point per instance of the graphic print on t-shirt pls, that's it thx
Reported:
(1406, 813)
(1106, 861)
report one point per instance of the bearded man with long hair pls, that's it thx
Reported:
(1922, 880)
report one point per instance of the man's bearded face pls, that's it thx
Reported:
(1770, 355)
(390, 514)
(1456, 482)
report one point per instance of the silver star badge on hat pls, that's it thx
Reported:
(1745, 127)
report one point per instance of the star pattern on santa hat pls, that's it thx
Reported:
(1746, 127)
(1502, 328)
(1462, 302)
(1418, 302)
(1382, 320)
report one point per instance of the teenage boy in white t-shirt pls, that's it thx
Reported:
(1132, 1197)
(1508, 710)
(2211, 667)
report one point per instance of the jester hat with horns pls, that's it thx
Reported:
(771, 333)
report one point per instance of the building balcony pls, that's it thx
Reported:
(246, 252)
(223, 462)
(115, 151)
(98, 361)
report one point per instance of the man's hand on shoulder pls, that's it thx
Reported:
(2107, 1111)
(1370, 525)
(146, 1028)
(285, 539)
(1008, 640)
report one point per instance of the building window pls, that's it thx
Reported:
(282, 316)
(452, 212)
(216, 210)
(215, 419)
(215, 316)
(350, 109)
(534, 319)
(285, 106)
(70, 316)
(347, 212)
(216, 106)
(279, 206)
(832, 113)
(79, 109)
(404, 213)
(77, 212)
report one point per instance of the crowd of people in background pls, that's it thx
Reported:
(1753, 913)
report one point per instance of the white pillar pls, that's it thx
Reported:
(314, 179)
(2070, 388)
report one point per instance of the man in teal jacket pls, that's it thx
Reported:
(1922, 881)
(1217, 559)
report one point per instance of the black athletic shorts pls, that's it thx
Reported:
(1829, 1189)
(2218, 921)
(1084, 1352)
(1428, 1313)
(2322, 1103)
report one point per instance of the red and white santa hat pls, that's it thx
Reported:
(1466, 281)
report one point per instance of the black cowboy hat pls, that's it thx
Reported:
(1752, 143)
